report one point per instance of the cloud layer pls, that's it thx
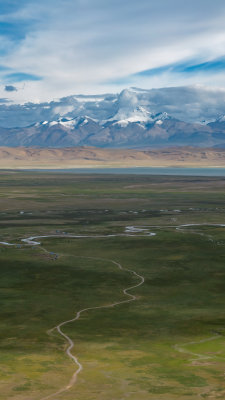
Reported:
(190, 104)
(55, 48)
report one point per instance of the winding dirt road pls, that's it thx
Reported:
(77, 316)
(197, 357)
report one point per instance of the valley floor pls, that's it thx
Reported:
(84, 235)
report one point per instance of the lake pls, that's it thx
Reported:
(144, 171)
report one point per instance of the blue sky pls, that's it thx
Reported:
(51, 49)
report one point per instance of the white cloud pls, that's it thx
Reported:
(80, 46)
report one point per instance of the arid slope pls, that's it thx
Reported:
(75, 157)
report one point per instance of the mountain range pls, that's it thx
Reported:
(127, 120)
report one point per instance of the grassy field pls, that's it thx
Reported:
(169, 344)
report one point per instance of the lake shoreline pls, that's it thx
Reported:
(179, 171)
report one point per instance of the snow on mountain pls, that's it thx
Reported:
(129, 110)
(73, 122)
(159, 122)
(139, 115)
(69, 123)
(221, 119)
(128, 115)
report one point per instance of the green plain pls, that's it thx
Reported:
(153, 349)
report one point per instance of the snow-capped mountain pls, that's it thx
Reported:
(156, 131)
(68, 123)
(189, 104)
(129, 119)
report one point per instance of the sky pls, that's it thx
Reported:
(55, 48)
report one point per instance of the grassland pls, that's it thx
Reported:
(169, 344)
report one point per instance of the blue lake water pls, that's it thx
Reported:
(143, 171)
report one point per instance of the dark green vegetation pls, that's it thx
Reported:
(154, 348)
